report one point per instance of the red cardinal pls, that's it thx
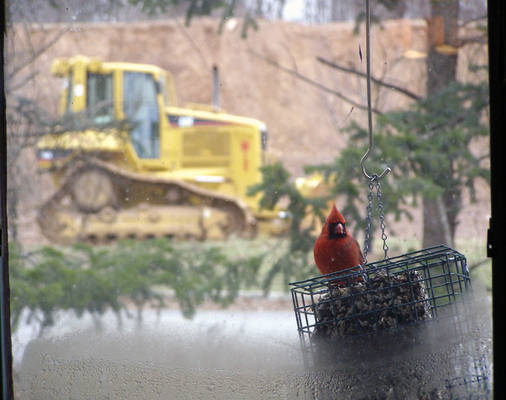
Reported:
(335, 249)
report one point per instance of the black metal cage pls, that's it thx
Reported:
(391, 292)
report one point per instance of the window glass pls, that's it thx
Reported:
(163, 89)
(69, 86)
(141, 109)
(99, 97)
(157, 264)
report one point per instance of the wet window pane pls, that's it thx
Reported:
(156, 227)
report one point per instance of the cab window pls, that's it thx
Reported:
(141, 110)
(99, 98)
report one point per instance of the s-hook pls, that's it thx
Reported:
(369, 107)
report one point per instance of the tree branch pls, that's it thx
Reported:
(34, 54)
(475, 19)
(377, 81)
(194, 44)
(22, 83)
(312, 82)
(480, 39)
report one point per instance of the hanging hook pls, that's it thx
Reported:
(369, 107)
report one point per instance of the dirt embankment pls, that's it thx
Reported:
(304, 123)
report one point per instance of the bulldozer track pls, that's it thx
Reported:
(143, 206)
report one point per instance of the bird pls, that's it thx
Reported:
(336, 249)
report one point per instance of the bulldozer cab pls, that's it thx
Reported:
(108, 92)
(200, 144)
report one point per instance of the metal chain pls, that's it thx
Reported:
(374, 184)
(368, 219)
(384, 236)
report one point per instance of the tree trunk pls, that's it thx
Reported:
(334, 10)
(281, 7)
(439, 217)
(259, 11)
(436, 227)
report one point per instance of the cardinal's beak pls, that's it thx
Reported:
(340, 228)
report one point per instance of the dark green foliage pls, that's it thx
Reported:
(249, 22)
(429, 147)
(194, 7)
(91, 279)
(152, 7)
(198, 8)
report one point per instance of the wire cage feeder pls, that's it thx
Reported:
(394, 291)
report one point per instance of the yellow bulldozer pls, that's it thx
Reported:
(131, 163)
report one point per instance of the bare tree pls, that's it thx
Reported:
(26, 121)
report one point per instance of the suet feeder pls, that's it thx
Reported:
(397, 291)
